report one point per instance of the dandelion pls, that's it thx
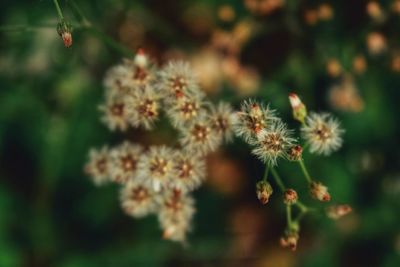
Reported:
(198, 137)
(115, 114)
(273, 143)
(319, 191)
(222, 120)
(177, 80)
(323, 133)
(137, 199)
(252, 118)
(155, 168)
(124, 159)
(99, 165)
(175, 215)
(183, 110)
(143, 107)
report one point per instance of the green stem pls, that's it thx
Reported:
(265, 177)
(79, 14)
(278, 179)
(289, 215)
(304, 170)
(59, 12)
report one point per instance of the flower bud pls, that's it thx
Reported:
(295, 153)
(319, 191)
(299, 109)
(290, 197)
(141, 59)
(290, 240)
(65, 31)
(337, 211)
(264, 191)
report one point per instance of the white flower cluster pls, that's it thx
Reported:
(159, 179)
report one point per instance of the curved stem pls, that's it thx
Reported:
(278, 179)
(304, 170)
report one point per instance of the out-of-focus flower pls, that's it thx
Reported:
(333, 67)
(395, 64)
(222, 120)
(226, 13)
(311, 16)
(298, 108)
(184, 110)
(155, 167)
(273, 143)
(124, 159)
(246, 81)
(263, 7)
(325, 12)
(337, 211)
(264, 191)
(290, 240)
(64, 29)
(189, 171)
(359, 64)
(323, 133)
(375, 11)
(98, 166)
(115, 113)
(319, 191)
(345, 96)
(376, 43)
(137, 199)
(396, 6)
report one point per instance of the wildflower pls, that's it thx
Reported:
(177, 80)
(99, 165)
(295, 153)
(375, 11)
(155, 168)
(273, 143)
(137, 199)
(299, 109)
(143, 107)
(359, 64)
(124, 159)
(189, 171)
(222, 120)
(322, 133)
(290, 240)
(290, 197)
(345, 96)
(64, 29)
(183, 110)
(376, 43)
(175, 215)
(333, 67)
(264, 191)
(325, 12)
(252, 118)
(337, 211)
(198, 137)
(141, 59)
(319, 191)
(113, 81)
(115, 113)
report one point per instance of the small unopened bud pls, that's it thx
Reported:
(141, 59)
(264, 191)
(65, 31)
(290, 241)
(290, 197)
(295, 153)
(319, 191)
(299, 109)
(337, 211)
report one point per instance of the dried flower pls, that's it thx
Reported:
(323, 133)
(155, 168)
(124, 159)
(290, 196)
(298, 108)
(273, 143)
(337, 211)
(319, 191)
(222, 120)
(115, 113)
(189, 171)
(99, 165)
(252, 118)
(137, 199)
(264, 191)
(295, 153)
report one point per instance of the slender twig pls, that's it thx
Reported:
(304, 170)
(289, 215)
(59, 12)
(278, 179)
(265, 177)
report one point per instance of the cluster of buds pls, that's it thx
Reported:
(264, 191)
(64, 29)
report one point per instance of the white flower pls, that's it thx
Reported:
(155, 168)
(137, 199)
(124, 159)
(222, 120)
(323, 133)
(99, 165)
(115, 114)
(273, 143)
(183, 110)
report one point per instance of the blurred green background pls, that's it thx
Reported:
(52, 215)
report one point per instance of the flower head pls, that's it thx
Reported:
(189, 171)
(337, 211)
(183, 110)
(124, 159)
(264, 191)
(319, 191)
(137, 199)
(290, 196)
(98, 166)
(273, 143)
(222, 120)
(290, 240)
(252, 119)
(155, 168)
(115, 114)
(323, 133)
(64, 29)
